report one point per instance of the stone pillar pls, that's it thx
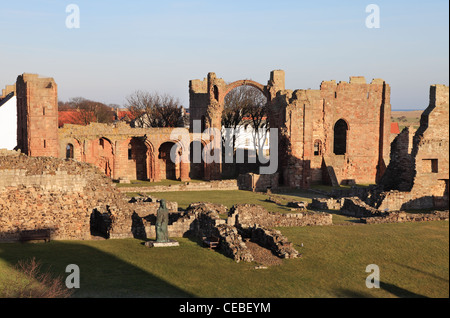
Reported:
(184, 171)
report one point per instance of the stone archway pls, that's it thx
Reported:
(104, 156)
(340, 137)
(197, 163)
(231, 86)
(168, 169)
(207, 104)
(137, 153)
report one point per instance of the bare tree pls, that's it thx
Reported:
(88, 110)
(246, 105)
(257, 116)
(155, 110)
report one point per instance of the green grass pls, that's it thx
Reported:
(229, 198)
(412, 257)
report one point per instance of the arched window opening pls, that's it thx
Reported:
(69, 151)
(216, 93)
(130, 152)
(340, 137)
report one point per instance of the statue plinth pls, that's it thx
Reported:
(161, 244)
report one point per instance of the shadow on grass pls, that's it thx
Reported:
(423, 272)
(102, 275)
(399, 292)
(390, 288)
(302, 193)
(347, 293)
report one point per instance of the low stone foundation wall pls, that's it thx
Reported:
(272, 240)
(325, 204)
(357, 208)
(200, 219)
(374, 196)
(187, 186)
(400, 200)
(178, 228)
(232, 245)
(258, 182)
(400, 217)
(144, 206)
(246, 215)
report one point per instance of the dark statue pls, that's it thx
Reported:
(162, 221)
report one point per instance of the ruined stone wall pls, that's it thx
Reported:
(107, 147)
(431, 147)
(305, 120)
(187, 186)
(419, 169)
(246, 215)
(50, 193)
(355, 207)
(311, 116)
(400, 173)
(198, 99)
(401, 217)
(37, 115)
(258, 182)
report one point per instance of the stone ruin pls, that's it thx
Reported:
(417, 177)
(319, 133)
(76, 201)
(244, 222)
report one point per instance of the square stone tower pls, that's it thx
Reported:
(37, 115)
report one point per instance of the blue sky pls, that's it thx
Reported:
(123, 46)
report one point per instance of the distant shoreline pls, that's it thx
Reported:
(407, 110)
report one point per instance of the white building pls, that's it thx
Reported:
(8, 122)
(247, 138)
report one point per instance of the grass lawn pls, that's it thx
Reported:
(226, 197)
(231, 197)
(412, 257)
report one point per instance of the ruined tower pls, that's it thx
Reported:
(37, 115)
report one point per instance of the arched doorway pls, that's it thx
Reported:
(340, 137)
(245, 127)
(137, 154)
(197, 168)
(105, 158)
(168, 168)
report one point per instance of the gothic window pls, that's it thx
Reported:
(69, 151)
(340, 137)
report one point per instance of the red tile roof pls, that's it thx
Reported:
(395, 129)
(75, 117)
(121, 114)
